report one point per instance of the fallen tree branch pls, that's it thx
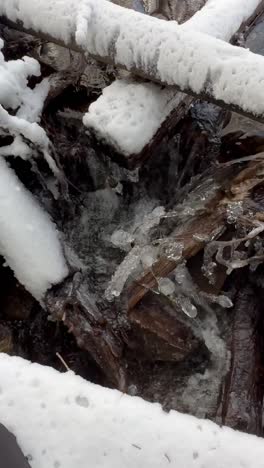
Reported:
(71, 305)
(151, 48)
(243, 395)
(191, 237)
(199, 230)
(144, 100)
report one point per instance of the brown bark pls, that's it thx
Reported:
(71, 305)
(196, 233)
(161, 333)
(242, 398)
(202, 227)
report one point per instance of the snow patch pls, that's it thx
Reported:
(44, 408)
(127, 114)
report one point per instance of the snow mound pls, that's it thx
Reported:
(60, 420)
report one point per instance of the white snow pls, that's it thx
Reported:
(26, 104)
(14, 91)
(222, 19)
(14, 79)
(60, 420)
(57, 17)
(127, 115)
(16, 126)
(32, 105)
(28, 239)
(176, 55)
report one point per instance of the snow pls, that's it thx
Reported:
(14, 91)
(128, 114)
(173, 54)
(222, 19)
(28, 239)
(231, 74)
(57, 17)
(14, 78)
(26, 104)
(31, 131)
(44, 409)
(32, 105)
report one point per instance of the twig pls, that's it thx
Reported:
(63, 362)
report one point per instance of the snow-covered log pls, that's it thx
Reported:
(139, 109)
(28, 239)
(155, 49)
(44, 409)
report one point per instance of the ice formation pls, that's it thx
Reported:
(142, 254)
(122, 273)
